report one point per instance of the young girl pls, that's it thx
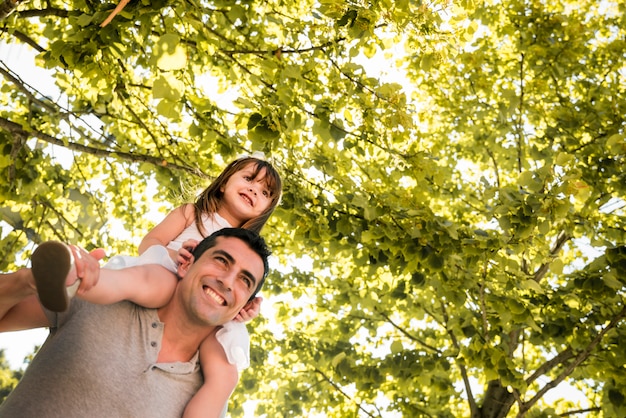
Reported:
(244, 195)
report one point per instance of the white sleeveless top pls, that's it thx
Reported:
(211, 223)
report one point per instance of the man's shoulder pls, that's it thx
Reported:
(79, 308)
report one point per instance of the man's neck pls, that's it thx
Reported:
(181, 340)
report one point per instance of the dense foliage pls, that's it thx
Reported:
(8, 377)
(451, 239)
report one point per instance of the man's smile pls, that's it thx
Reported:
(214, 295)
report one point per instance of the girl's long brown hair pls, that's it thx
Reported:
(210, 199)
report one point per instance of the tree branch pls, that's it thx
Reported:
(468, 387)
(61, 216)
(7, 7)
(50, 11)
(320, 47)
(340, 390)
(98, 152)
(560, 358)
(580, 357)
(580, 411)
(520, 122)
(24, 38)
(561, 239)
(120, 6)
(22, 87)
(483, 305)
(16, 222)
(405, 333)
(495, 165)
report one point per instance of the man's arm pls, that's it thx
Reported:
(19, 306)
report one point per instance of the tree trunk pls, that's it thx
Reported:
(498, 401)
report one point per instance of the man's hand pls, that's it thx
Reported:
(250, 311)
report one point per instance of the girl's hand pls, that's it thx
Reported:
(87, 266)
(250, 311)
(184, 254)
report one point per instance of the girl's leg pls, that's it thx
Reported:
(149, 285)
(220, 379)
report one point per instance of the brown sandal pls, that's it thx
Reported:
(51, 262)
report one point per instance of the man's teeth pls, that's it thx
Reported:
(215, 296)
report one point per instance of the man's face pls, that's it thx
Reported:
(220, 282)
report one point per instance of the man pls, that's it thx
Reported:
(122, 360)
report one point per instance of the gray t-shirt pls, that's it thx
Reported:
(100, 361)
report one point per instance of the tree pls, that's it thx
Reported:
(8, 377)
(451, 238)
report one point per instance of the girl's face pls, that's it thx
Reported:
(245, 196)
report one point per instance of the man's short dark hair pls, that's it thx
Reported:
(252, 239)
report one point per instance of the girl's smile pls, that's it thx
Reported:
(245, 196)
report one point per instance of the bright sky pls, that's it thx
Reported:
(17, 345)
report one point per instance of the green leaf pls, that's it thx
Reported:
(338, 359)
(611, 281)
(167, 87)
(84, 20)
(515, 307)
(169, 53)
(556, 266)
(532, 285)
(396, 347)
(169, 109)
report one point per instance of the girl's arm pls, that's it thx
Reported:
(169, 228)
(149, 285)
(220, 379)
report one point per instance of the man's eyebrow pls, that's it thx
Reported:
(231, 260)
(225, 254)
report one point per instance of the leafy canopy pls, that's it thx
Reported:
(451, 237)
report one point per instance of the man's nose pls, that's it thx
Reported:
(227, 280)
